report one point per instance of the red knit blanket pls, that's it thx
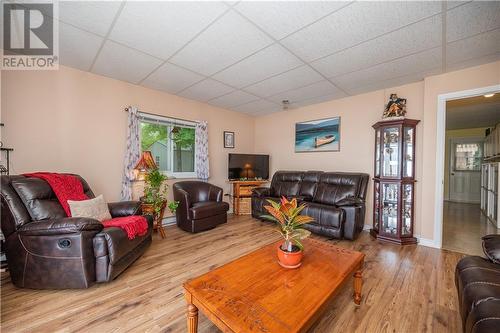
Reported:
(134, 225)
(68, 187)
(65, 187)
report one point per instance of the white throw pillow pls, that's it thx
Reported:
(95, 208)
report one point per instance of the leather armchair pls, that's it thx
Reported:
(200, 206)
(47, 250)
(478, 284)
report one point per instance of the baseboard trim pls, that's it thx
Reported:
(427, 242)
(421, 241)
(170, 220)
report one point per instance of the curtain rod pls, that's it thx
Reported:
(159, 115)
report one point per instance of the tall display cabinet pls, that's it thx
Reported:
(394, 181)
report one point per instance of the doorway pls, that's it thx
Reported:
(468, 122)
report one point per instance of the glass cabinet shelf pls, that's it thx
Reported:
(393, 204)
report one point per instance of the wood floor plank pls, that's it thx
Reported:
(405, 289)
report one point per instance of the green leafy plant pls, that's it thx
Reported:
(290, 223)
(155, 190)
(172, 206)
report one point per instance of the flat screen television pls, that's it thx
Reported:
(249, 166)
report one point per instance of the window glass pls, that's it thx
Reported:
(171, 145)
(468, 156)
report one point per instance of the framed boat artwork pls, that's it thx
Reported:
(318, 135)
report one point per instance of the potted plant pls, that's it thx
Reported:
(290, 226)
(155, 194)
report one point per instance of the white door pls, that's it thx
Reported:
(465, 170)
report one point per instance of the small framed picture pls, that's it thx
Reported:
(228, 139)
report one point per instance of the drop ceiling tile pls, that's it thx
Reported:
(417, 37)
(473, 62)
(171, 78)
(317, 89)
(122, 63)
(473, 18)
(415, 63)
(474, 47)
(77, 48)
(272, 60)
(295, 78)
(316, 100)
(93, 16)
(259, 106)
(280, 18)
(232, 99)
(225, 42)
(206, 90)
(161, 28)
(356, 23)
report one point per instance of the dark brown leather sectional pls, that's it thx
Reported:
(200, 206)
(336, 200)
(45, 249)
(478, 284)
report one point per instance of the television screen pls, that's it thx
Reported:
(248, 166)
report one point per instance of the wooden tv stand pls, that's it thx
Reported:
(242, 192)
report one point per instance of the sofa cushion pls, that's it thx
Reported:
(326, 216)
(95, 208)
(201, 210)
(335, 186)
(309, 184)
(477, 279)
(114, 243)
(40, 200)
(286, 183)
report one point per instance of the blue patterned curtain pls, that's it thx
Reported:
(201, 151)
(132, 153)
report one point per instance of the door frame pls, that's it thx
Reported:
(440, 147)
(451, 163)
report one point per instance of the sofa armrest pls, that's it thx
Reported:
(61, 226)
(350, 201)
(124, 208)
(215, 193)
(354, 220)
(491, 247)
(261, 192)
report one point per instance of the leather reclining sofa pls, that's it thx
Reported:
(336, 200)
(478, 284)
(45, 249)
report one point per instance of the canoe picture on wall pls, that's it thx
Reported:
(317, 135)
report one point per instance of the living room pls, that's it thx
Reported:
(242, 81)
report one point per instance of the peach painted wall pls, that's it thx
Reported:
(73, 121)
(275, 134)
(469, 78)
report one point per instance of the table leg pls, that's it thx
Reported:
(358, 284)
(192, 318)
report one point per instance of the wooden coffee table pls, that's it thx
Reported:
(255, 294)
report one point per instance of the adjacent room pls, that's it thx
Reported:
(250, 166)
(470, 172)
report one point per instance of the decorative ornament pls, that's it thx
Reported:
(396, 107)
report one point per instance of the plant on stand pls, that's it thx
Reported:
(154, 201)
(290, 226)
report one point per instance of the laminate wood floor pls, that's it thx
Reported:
(463, 227)
(406, 289)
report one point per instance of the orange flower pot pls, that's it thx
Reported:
(289, 259)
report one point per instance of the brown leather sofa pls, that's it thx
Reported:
(478, 284)
(200, 206)
(335, 200)
(45, 249)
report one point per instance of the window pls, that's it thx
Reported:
(468, 156)
(172, 144)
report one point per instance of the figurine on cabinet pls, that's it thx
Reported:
(396, 107)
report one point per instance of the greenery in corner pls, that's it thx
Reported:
(155, 191)
(290, 223)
